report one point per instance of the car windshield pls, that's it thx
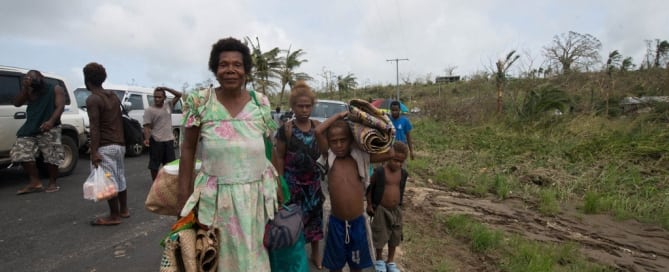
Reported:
(81, 94)
(326, 109)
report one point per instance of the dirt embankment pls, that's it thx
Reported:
(623, 245)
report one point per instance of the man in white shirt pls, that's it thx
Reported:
(158, 129)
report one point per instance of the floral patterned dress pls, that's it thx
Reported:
(304, 178)
(235, 190)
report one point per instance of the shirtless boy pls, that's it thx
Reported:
(346, 240)
(384, 197)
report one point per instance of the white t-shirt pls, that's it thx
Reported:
(160, 120)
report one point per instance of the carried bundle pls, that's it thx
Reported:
(372, 129)
(162, 197)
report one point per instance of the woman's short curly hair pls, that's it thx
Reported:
(300, 89)
(95, 74)
(230, 44)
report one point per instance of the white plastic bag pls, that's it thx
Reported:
(172, 167)
(99, 186)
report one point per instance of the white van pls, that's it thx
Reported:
(73, 135)
(135, 99)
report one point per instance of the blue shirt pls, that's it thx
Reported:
(402, 127)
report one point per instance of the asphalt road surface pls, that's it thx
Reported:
(52, 231)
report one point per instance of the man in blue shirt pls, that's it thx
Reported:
(402, 126)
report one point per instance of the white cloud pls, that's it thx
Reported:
(168, 42)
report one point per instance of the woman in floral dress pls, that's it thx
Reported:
(236, 189)
(297, 153)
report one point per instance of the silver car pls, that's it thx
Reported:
(326, 108)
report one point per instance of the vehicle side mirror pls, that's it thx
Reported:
(127, 105)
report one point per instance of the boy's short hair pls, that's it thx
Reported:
(340, 124)
(401, 148)
(394, 103)
(95, 74)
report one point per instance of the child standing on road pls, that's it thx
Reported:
(384, 198)
(346, 238)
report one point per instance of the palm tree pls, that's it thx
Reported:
(346, 83)
(627, 64)
(544, 99)
(612, 63)
(288, 76)
(661, 51)
(266, 66)
(500, 75)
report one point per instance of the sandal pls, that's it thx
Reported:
(29, 189)
(392, 267)
(52, 189)
(380, 266)
(104, 222)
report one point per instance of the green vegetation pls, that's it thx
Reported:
(561, 141)
(553, 144)
(611, 165)
(515, 253)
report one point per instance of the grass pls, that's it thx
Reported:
(548, 202)
(419, 238)
(515, 253)
(615, 166)
(592, 203)
(501, 187)
(481, 238)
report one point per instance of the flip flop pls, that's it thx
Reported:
(125, 215)
(29, 189)
(392, 267)
(380, 266)
(52, 189)
(104, 222)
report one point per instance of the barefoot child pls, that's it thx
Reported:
(346, 240)
(384, 197)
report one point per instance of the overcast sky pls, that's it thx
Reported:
(150, 43)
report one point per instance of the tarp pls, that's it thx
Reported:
(384, 105)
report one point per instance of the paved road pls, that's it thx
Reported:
(52, 231)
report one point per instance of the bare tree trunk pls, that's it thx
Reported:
(283, 88)
(608, 94)
(499, 97)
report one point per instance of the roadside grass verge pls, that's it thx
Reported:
(419, 238)
(515, 253)
(615, 166)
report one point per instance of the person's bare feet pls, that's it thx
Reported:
(30, 189)
(52, 188)
(125, 214)
(316, 259)
(106, 221)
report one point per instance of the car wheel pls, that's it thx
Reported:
(134, 150)
(70, 158)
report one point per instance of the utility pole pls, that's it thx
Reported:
(397, 75)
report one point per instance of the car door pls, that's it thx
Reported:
(11, 118)
(137, 105)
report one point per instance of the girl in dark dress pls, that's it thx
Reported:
(297, 153)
